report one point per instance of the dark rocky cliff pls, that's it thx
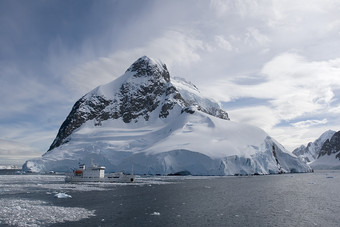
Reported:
(331, 146)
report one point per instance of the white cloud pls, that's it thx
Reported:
(223, 43)
(260, 116)
(295, 88)
(309, 123)
(176, 47)
(259, 37)
(335, 109)
(241, 8)
(294, 85)
(301, 86)
(10, 148)
(87, 76)
(219, 6)
(21, 93)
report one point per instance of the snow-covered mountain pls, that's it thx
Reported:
(155, 124)
(323, 153)
(329, 155)
(312, 150)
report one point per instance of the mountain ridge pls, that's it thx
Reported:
(323, 153)
(124, 99)
(311, 151)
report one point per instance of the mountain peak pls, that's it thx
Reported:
(147, 67)
(312, 150)
(143, 94)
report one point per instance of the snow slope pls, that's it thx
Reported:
(326, 162)
(155, 124)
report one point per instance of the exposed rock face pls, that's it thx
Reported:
(331, 146)
(77, 117)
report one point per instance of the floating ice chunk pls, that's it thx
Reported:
(23, 212)
(156, 213)
(62, 195)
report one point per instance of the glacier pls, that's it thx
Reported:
(150, 123)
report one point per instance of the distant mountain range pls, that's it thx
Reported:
(152, 123)
(323, 153)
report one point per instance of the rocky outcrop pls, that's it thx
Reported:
(331, 146)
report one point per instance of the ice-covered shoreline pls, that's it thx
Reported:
(4, 167)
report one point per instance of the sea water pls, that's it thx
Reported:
(310, 199)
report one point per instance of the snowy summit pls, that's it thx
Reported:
(156, 124)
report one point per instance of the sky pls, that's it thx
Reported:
(272, 64)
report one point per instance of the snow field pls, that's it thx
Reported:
(326, 162)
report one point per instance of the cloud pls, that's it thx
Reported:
(223, 43)
(241, 8)
(295, 88)
(260, 116)
(21, 92)
(10, 148)
(301, 86)
(85, 77)
(335, 109)
(28, 134)
(294, 85)
(309, 123)
(259, 37)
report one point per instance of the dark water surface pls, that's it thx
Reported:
(274, 200)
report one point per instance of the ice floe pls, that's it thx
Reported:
(24, 212)
(62, 195)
